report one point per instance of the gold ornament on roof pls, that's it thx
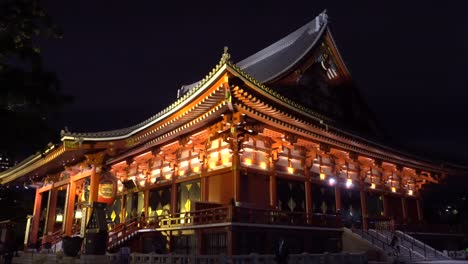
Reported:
(226, 56)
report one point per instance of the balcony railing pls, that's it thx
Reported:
(221, 214)
(249, 215)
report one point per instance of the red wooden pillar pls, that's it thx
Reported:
(419, 208)
(230, 241)
(51, 212)
(386, 208)
(70, 208)
(404, 209)
(272, 185)
(36, 217)
(364, 209)
(204, 189)
(338, 198)
(308, 196)
(94, 186)
(237, 179)
(146, 202)
(173, 197)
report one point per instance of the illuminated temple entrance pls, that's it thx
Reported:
(260, 148)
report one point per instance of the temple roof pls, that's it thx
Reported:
(276, 59)
(265, 65)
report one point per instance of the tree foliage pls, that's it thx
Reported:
(29, 95)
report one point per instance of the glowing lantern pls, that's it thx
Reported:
(349, 183)
(322, 176)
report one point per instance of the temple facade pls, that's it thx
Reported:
(277, 146)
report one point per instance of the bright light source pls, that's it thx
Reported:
(196, 169)
(290, 170)
(181, 173)
(225, 161)
(156, 171)
(59, 218)
(142, 183)
(78, 214)
(393, 189)
(248, 161)
(349, 183)
(410, 192)
(331, 181)
(153, 180)
(322, 176)
(263, 165)
(372, 185)
(212, 165)
(169, 176)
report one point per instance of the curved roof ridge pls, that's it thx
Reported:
(135, 128)
(271, 61)
(311, 27)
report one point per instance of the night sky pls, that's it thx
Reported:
(124, 61)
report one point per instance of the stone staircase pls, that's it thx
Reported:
(411, 247)
(382, 242)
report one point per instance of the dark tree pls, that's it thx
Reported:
(29, 95)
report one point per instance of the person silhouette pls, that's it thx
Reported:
(281, 252)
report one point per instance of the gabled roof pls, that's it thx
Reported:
(276, 59)
(263, 66)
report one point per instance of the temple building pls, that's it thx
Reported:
(277, 146)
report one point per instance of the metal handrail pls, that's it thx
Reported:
(424, 247)
(410, 251)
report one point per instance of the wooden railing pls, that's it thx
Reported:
(122, 232)
(206, 216)
(275, 217)
(250, 215)
(223, 214)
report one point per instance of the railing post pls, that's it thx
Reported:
(230, 213)
(425, 251)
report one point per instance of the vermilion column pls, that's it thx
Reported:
(272, 185)
(36, 217)
(338, 198)
(386, 209)
(70, 208)
(236, 176)
(308, 194)
(146, 202)
(364, 209)
(204, 189)
(51, 214)
(404, 208)
(419, 208)
(173, 197)
(94, 186)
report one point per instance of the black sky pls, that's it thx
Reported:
(124, 61)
